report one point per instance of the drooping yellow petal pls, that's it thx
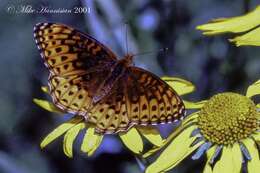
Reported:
(47, 105)
(69, 138)
(152, 134)
(132, 140)
(152, 151)
(237, 158)
(257, 136)
(207, 168)
(225, 163)
(190, 118)
(233, 24)
(251, 38)
(184, 124)
(253, 89)
(210, 153)
(175, 152)
(60, 130)
(181, 86)
(91, 141)
(194, 105)
(258, 105)
(253, 165)
(45, 89)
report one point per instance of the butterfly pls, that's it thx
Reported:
(87, 79)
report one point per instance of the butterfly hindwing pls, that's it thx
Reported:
(74, 93)
(151, 100)
(110, 114)
(138, 98)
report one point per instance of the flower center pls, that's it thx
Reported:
(227, 118)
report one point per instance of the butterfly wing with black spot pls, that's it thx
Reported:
(150, 100)
(110, 114)
(78, 64)
(138, 98)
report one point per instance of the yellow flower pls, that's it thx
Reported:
(248, 24)
(133, 139)
(226, 128)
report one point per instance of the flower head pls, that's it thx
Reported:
(248, 24)
(227, 117)
(133, 139)
(226, 128)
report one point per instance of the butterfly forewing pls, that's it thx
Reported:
(66, 50)
(78, 64)
(82, 82)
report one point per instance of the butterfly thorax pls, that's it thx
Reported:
(117, 71)
(127, 60)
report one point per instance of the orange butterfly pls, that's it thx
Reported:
(87, 79)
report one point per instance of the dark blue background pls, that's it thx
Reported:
(211, 63)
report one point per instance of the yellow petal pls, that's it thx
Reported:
(175, 152)
(194, 105)
(225, 164)
(253, 89)
(181, 86)
(152, 151)
(257, 136)
(210, 153)
(237, 158)
(253, 165)
(251, 38)
(258, 105)
(132, 140)
(45, 89)
(233, 24)
(47, 105)
(190, 118)
(60, 130)
(185, 124)
(207, 169)
(69, 138)
(91, 141)
(152, 134)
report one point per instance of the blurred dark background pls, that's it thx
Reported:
(211, 63)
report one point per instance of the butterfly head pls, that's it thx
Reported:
(128, 59)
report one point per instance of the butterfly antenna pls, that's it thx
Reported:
(126, 38)
(152, 52)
